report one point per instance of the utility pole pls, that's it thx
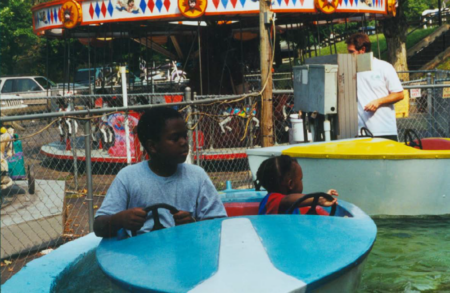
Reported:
(440, 24)
(265, 18)
(440, 13)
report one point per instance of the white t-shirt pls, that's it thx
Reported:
(189, 189)
(378, 83)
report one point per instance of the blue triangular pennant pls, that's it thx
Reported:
(111, 8)
(97, 10)
(143, 5)
(224, 3)
(159, 4)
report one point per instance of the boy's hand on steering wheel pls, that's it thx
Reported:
(183, 217)
(131, 219)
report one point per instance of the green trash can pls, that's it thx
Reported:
(16, 163)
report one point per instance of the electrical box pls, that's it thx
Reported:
(315, 88)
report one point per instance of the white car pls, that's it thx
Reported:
(31, 90)
(10, 104)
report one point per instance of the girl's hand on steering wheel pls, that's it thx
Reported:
(333, 192)
(328, 203)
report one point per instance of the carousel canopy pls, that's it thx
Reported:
(69, 14)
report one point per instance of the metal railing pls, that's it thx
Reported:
(429, 107)
(69, 152)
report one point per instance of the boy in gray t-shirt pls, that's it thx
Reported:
(162, 179)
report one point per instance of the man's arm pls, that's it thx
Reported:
(108, 225)
(390, 99)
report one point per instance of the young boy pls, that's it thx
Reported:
(162, 179)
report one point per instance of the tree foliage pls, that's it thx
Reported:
(18, 42)
(413, 9)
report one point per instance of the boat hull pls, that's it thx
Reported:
(400, 187)
(271, 253)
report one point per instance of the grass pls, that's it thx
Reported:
(444, 65)
(412, 39)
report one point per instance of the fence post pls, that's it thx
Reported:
(250, 127)
(197, 153)
(125, 104)
(188, 98)
(74, 144)
(89, 198)
(430, 106)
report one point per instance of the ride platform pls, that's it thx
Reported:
(33, 221)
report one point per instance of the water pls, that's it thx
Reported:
(410, 255)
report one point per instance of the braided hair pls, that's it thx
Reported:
(272, 172)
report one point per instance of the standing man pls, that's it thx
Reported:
(378, 91)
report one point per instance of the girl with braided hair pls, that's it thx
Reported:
(282, 177)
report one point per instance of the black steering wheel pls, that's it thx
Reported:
(312, 210)
(409, 140)
(154, 209)
(365, 132)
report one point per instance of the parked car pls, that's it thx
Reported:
(369, 30)
(10, 104)
(31, 89)
(109, 75)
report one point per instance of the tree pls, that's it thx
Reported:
(395, 30)
(19, 45)
(413, 9)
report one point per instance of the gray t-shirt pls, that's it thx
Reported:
(189, 189)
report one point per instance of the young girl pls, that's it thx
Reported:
(282, 178)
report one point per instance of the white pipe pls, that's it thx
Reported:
(313, 133)
(327, 128)
(123, 72)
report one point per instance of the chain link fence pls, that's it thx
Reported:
(44, 199)
(51, 165)
(71, 177)
(429, 106)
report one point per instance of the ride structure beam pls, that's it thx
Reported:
(177, 47)
(155, 47)
(266, 73)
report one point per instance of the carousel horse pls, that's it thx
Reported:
(101, 130)
(229, 113)
(107, 135)
(251, 112)
(65, 124)
(237, 112)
